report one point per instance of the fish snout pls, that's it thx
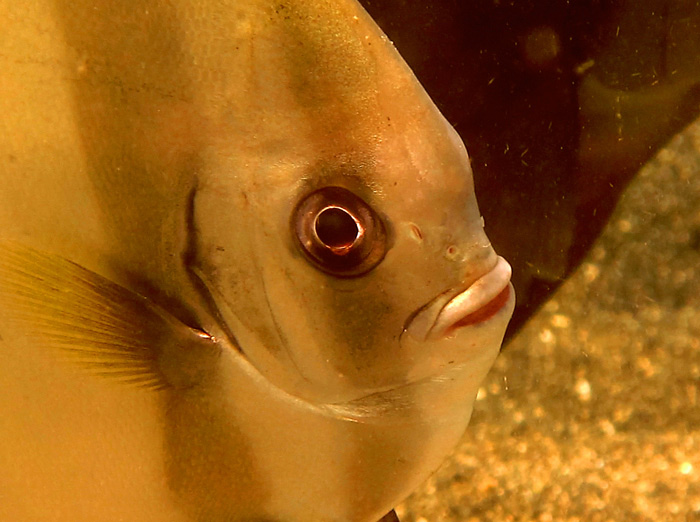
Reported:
(470, 259)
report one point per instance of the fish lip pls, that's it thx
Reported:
(476, 304)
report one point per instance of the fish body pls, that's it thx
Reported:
(243, 274)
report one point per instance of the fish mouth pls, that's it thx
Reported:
(474, 305)
(483, 299)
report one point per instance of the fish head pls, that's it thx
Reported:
(335, 226)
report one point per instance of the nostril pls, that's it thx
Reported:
(452, 252)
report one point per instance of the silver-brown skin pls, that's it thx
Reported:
(166, 147)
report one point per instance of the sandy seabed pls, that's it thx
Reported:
(592, 412)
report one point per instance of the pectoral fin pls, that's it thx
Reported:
(100, 325)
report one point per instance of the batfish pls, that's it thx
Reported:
(243, 274)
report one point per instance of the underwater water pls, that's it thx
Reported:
(591, 412)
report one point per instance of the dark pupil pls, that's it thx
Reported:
(336, 228)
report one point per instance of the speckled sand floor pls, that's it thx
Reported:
(591, 413)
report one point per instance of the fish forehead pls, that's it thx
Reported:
(323, 70)
(313, 50)
(311, 91)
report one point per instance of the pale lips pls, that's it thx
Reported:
(483, 299)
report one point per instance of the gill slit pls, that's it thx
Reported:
(189, 260)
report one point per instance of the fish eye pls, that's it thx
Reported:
(339, 232)
(338, 229)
